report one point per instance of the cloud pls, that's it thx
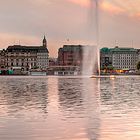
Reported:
(128, 7)
(29, 20)
(112, 9)
(81, 2)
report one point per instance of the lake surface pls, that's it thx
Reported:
(69, 108)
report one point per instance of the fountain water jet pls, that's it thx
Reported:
(91, 54)
(89, 60)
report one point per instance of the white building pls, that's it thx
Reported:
(124, 58)
(27, 57)
(42, 59)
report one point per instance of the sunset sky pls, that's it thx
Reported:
(26, 21)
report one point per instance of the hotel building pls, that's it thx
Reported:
(27, 57)
(119, 58)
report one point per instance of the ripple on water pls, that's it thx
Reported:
(60, 108)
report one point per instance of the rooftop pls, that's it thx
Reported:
(71, 48)
(118, 49)
(26, 48)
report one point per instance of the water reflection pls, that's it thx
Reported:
(21, 94)
(121, 91)
(120, 108)
(70, 95)
(92, 97)
(66, 108)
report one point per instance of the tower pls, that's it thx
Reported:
(44, 42)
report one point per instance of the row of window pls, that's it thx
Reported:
(25, 59)
(124, 64)
(125, 67)
(124, 61)
(42, 57)
(21, 64)
(26, 64)
(125, 57)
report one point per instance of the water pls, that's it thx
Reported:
(69, 108)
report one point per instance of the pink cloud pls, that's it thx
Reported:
(81, 2)
(115, 7)
(112, 8)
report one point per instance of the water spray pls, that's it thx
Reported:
(91, 54)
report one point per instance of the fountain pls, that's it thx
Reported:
(90, 61)
(91, 54)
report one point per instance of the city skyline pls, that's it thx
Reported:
(27, 21)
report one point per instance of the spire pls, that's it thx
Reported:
(44, 42)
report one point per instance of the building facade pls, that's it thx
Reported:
(138, 54)
(2, 59)
(53, 62)
(70, 55)
(124, 58)
(105, 58)
(27, 57)
(43, 56)
(119, 58)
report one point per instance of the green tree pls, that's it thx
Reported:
(138, 65)
(110, 67)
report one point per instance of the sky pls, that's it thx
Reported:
(69, 22)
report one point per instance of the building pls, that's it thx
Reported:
(2, 59)
(105, 58)
(64, 70)
(53, 62)
(138, 54)
(27, 57)
(69, 61)
(124, 58)
(70, 55)
(119, 58)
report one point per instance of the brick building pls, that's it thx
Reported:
(70, 55)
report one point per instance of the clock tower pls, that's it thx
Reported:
(44, 42)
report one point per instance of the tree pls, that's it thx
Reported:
(110, 67)
(138, 65)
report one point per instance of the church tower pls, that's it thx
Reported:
(44, 42)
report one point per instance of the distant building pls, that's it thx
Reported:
(53, 62)
(70, 55)
(119, 58)
(64, 70)
(124, 58)
(27, 57)
(138, 54)
(2, 59)
(105, 57)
